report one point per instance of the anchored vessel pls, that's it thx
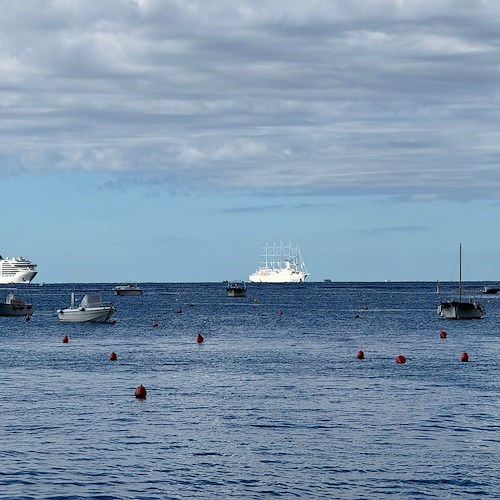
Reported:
(129, 288)
(282, 264)
(16, 270)
(90, 308)
(236, 289)
(14, 305)
(458, 309)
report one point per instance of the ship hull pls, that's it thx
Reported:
(460, 310)
(81, 315)
(20, 277)
(277, 276)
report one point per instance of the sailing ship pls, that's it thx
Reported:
(282, 264)
(16, 270)
(459, 309)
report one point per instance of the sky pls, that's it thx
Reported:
(167, 141)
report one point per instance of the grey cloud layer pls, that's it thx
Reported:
(379, 96)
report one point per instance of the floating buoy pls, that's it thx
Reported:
(365, 308)
(179, 311)
(65, 339)
(140, 392)
(28, 317)
(280, 312)
(356, 316)
(199, 338)
(400, 359)
(442, 334)
(464, 357)
(112, 356)
(155, 323)
(360, 355)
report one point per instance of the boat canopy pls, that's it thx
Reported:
(91, 300)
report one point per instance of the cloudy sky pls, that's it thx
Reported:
(168, 140)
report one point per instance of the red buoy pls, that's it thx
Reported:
(442, 334)
(155, 323)
(140, 392)
(112, 356)
(400, 359)
(199, 338)
(65, 339)
(360, 355)
(464, 357)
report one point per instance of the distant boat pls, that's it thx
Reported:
(458, 309)
(90, 309)
(236, 289)
(282, 264)
(438, 290)
(14, 305)
(128, 288)
(490, 290)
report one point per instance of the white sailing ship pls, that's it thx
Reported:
(16, 270)
(282, 264)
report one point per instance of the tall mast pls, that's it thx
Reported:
(460, 285)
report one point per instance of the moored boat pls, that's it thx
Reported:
(282, 264)
(236, 289)
(490, 290)
(14, 305)
(90, 309)
(457, 309)
(128, 288)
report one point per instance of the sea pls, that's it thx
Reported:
(273, 403)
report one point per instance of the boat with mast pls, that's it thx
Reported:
(282, 264)
(459, 309)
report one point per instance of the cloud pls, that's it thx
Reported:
(366, 96)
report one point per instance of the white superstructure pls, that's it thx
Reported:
(282, 264)
(16, 270)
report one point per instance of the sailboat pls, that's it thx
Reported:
(458, 309)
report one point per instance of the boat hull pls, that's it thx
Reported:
(461, 310)
(277, 276)
(82, 315)
(236, 292)
(128, 292)
(13, 310)
(20, 277)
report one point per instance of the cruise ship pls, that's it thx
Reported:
(282, 264)
(16, 270)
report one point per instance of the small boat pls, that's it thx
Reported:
(457, 309)
(490, 290)
(14, 305)
(236, 289)
(129, 288)
(90, 309)
(438, 290)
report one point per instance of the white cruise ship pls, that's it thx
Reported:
(282, 264)
(16, 270)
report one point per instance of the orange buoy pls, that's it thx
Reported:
(112, 356)
(199, 338)
(155, 323)
(464, 357)
(140, 392)
(360, 355)
(65, 339)
(400, 359)
(442, 334)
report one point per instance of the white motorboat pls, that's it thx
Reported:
(282, 264)
(236, 289)
(128, 288)
(457, 309)
(16, 270)
(90, 309)
(15, 305)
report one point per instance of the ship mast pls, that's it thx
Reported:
(460, 278)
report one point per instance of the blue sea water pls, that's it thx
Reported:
(269, 405)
